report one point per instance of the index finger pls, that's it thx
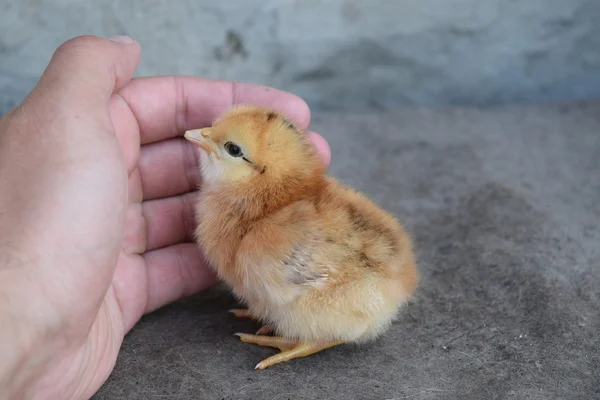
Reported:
(167, 106)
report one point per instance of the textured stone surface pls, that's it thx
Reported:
(338, 54)
(504, 207)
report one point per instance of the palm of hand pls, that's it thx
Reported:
(157, 261)
(153, 268)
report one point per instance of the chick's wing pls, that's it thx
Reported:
(302, 267)
(286, 250)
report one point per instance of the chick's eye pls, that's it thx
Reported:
(233, 149)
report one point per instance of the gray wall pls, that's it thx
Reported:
(336, 54)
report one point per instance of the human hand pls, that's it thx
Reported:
(96, 220)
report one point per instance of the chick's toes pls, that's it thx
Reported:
(265, 330)
(279, 342)
(241, 313)
(290, 349)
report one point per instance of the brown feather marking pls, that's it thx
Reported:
(358, 220)
(301, 267)
(289, 125)
(368, 262)
(361, 223)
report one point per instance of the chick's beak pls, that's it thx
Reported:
(200, 137)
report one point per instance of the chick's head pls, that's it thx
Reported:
(254, 144)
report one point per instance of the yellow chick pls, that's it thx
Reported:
(317, 263)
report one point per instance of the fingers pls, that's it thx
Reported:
(322, 147)
(170, 220)
(167, 106)
(169, 168)
(175, 272)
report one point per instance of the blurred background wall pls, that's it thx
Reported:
(337, 54)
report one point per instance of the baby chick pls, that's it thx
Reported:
(316, 262)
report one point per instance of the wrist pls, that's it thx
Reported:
(22, 352)
(13, 355)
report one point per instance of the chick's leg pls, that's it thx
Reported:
(290, 349)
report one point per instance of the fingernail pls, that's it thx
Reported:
(122, 39)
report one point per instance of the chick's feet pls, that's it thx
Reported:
(244, 313)
(265, 330)
(289, 348)
(241, 313)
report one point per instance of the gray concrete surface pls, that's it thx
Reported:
(504, 207)
(338, 54)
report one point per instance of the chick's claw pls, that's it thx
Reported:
(289, 348)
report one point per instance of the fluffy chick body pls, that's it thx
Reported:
(312, 258)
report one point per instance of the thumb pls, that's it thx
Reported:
(85, 71)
